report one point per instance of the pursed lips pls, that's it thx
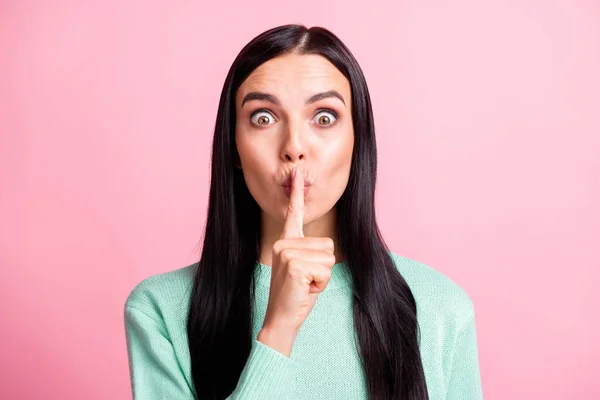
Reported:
(288, 183)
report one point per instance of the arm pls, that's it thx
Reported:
(154, 370)
(156, 373)
(465, 379)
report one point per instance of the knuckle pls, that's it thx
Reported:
(331, 259)
(294, 268)
(328, 243)
(277, 247)
(287, 255)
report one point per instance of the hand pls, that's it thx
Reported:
(301, 270)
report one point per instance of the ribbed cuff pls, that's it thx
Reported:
(267, 375)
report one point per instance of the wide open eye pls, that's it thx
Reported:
(326, 118)
(262, 118)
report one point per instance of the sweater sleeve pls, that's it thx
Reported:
(465, 379)
(155, 372)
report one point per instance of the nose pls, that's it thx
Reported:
(293, 149)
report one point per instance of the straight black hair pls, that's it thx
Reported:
(220, 319)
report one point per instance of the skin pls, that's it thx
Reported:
(295, 134)
(302, 143)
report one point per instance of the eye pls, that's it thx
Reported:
(262, 117)
(326, 117)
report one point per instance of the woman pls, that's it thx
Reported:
(291, 220)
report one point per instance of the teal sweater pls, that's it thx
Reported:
(324, 363)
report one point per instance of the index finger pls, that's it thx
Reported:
(294, 220)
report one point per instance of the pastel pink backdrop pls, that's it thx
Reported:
(489, 170)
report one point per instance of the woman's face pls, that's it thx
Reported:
(295, 110)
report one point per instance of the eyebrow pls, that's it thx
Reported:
(272, 99)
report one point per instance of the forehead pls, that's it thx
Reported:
(295, 76)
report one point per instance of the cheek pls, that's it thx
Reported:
(255, 171)
(333, 174)
(255, 146)
(249, 152)
(338, 159)
(256, 167)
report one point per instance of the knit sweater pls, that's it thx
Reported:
(324, 362)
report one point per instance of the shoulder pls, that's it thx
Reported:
(162, 293)
(438, 297)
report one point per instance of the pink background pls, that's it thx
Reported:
(489, 138)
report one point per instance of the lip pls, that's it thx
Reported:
(287, 190)
(288, 182)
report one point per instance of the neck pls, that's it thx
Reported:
(271, 232)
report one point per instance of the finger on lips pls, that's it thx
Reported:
(292, 227)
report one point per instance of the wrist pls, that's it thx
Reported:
(281, 340)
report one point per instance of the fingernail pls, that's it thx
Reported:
(293, 172)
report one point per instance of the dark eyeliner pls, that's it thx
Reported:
(329, 110)
(261, 110)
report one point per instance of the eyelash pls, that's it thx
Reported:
(320, 110)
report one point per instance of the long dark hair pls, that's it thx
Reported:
(385, 314)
